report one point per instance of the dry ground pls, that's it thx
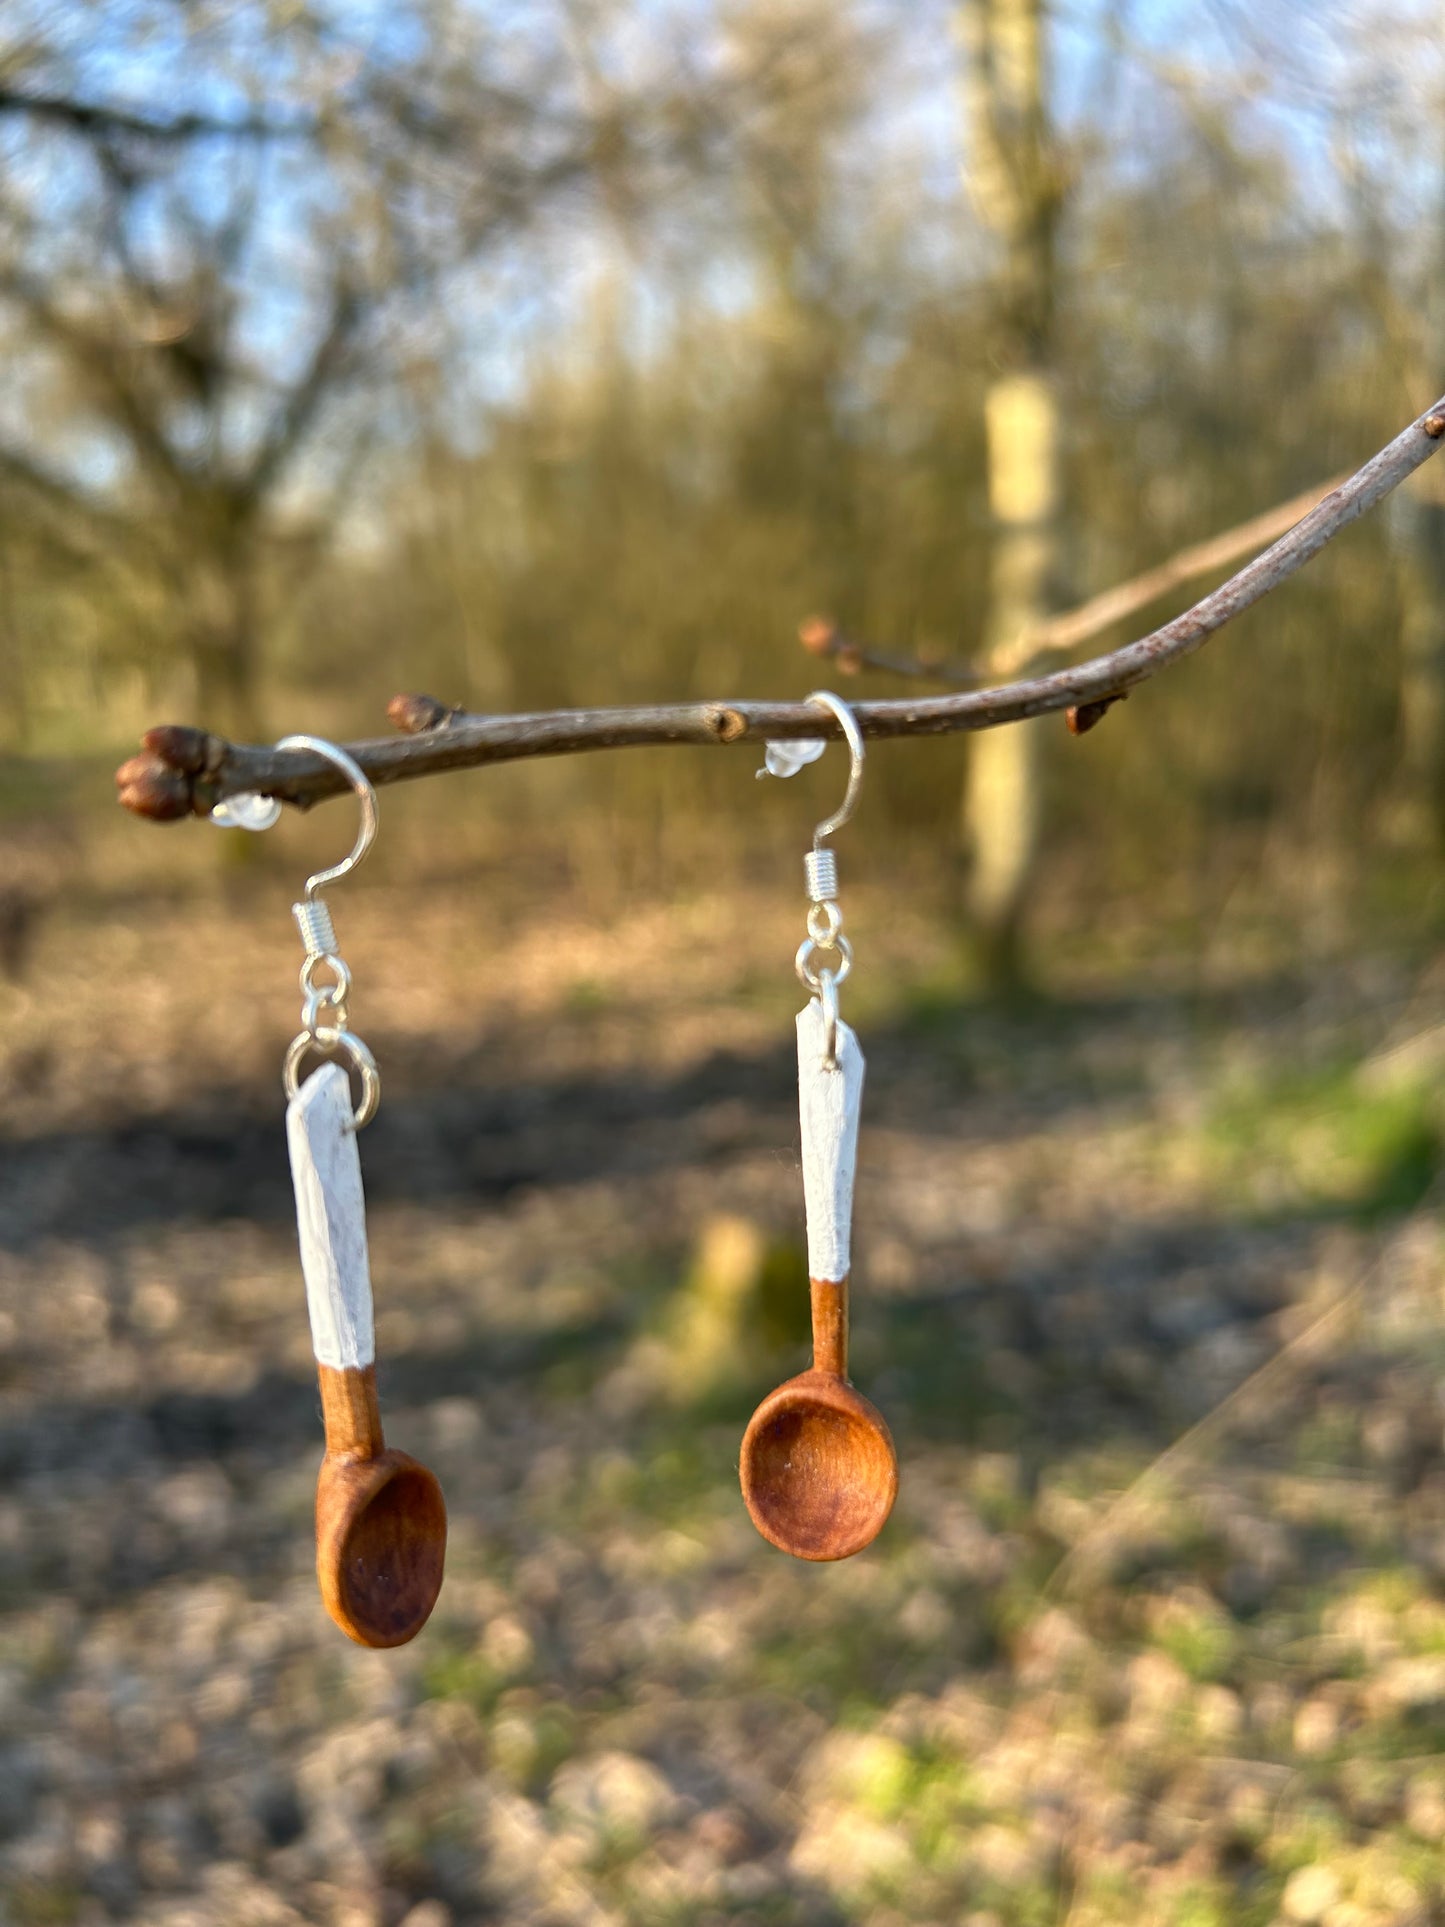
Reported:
(1063, 1688)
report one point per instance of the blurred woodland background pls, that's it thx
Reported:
(574, 353)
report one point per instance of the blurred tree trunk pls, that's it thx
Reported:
(225, 637)
(1421, 572)
(1399, 243)
(1014, 180)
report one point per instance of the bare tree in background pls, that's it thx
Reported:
(219, 276)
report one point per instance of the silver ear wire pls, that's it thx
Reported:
(365, 796)
(820, 874)
(857, 754)
(324, 1026)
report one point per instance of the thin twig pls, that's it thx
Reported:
(1091, 618)
(187, 771)
(822, 637)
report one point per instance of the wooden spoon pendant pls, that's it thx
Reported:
(818, 1469)
(381, 1522)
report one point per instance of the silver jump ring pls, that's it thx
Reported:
(328, 1040)
(810, 978)
(825, 924)
(339, 988)
(323, 1015)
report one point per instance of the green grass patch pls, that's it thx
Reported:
(466, 1675)
(1327, 1139)
(43, 1903)
(1202, 1644)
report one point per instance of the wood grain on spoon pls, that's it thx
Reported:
(818, 1468)
(381, 1520)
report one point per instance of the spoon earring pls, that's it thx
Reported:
(818, 1469)
(381, 1523)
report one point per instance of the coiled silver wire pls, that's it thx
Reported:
(820, 873)
(318, 933)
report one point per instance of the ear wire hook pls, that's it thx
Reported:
(820, 875)
(857, 754)
(365, 796)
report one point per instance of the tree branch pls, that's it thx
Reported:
(103, 362)
(1100, 612)
(187, 771)
(822, 637)
(97, 117)
(305, 400)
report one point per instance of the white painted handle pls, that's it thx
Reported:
(331, 1219)
(828, 1106)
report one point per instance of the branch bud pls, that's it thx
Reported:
(1086, 716)
(415, 715)
(147, 786)
(179, 746)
